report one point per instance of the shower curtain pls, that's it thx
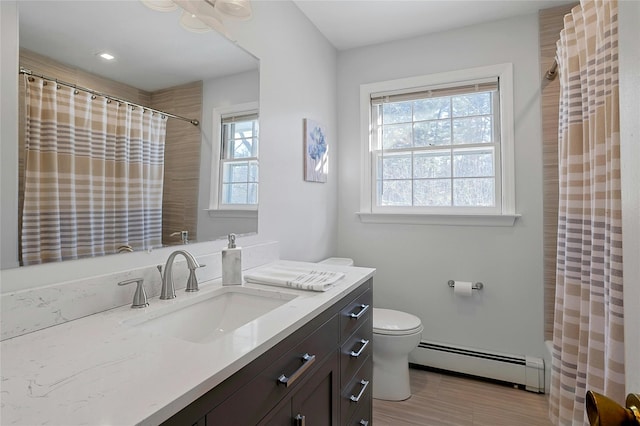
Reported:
(93, 175)
(588, 348)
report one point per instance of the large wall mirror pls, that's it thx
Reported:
(160, 65)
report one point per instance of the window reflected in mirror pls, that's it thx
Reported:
(239, 179)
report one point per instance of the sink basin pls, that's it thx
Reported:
(204, 319)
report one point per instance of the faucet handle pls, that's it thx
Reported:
(140, 296)
(184, 236)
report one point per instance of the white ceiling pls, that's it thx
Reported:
(153, 51)
(355, 23)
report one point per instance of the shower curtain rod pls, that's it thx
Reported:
(93, 92)
(552, 71)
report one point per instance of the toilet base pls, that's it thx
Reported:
(391, 378)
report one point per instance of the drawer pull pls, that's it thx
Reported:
(363, 422)
(299, 420)
(364, 345)
(364, 384)
(363, 309)
(307, 361)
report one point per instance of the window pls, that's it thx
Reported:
(233, 191)
(239, 160)
(439, 146)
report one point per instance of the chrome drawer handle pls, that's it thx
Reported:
(363, 309)
(364, 384)
(307, 361)
(299, 420)
(364, 345)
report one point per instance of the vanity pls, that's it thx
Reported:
(321, 373)
(308, 359)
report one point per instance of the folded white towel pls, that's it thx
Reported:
(294, 277)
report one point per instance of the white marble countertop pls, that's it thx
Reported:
(98, 371)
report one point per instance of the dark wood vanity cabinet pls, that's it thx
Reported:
(319, 375)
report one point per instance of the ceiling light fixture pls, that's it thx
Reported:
(106, 56)
(200, 16)
(234, 9)
(190, 22)
(160, 5)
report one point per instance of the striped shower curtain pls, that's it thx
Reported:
(588, 348)
(93, 175)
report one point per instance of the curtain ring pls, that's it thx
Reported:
(75, 92)
(31, 79)
(108, 101)
(44, 83)
(93, 96)
(58, 87)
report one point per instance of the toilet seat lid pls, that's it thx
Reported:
(388, 321)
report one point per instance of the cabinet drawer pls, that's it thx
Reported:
(355, 350)
(357, 392)
(355, 313)
(250, 403)
(362, 416)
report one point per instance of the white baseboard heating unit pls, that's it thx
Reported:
(519, 370)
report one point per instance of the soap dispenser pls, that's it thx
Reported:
(232, 263)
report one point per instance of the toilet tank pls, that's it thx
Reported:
(340, 261)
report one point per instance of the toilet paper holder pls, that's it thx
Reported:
(475, 286)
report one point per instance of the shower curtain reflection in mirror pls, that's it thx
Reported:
(93, 175)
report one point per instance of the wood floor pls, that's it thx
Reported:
(441, 399)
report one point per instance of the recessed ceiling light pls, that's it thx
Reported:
(106, 56)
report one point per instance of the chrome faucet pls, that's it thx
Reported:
(168, 290)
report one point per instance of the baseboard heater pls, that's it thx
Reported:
(519, 370)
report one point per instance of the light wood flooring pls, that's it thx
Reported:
(442, 399)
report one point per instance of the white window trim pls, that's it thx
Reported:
(233, 213)
(409, 215)
(215, 209)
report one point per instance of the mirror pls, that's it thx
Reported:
(156, 60)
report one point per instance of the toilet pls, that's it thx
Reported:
(395, 335)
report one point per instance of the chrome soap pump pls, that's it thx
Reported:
(232, 263)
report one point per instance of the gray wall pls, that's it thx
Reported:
(415, 261)
(297, 81)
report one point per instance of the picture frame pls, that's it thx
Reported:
(316, 151)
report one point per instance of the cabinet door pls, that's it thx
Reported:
(279, 416)
(314, 402)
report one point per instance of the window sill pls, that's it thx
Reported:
(439, 219)
(230, 213)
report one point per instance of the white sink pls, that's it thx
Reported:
(208, 317)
